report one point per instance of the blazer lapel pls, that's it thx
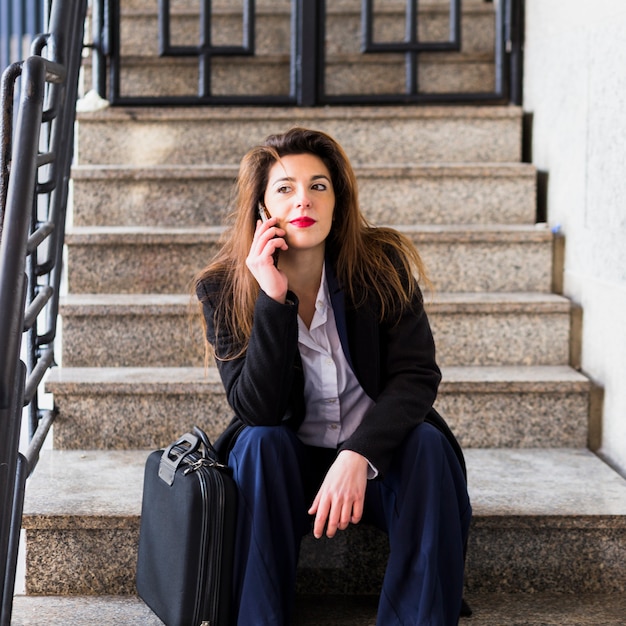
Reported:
(338, 303)
(360, 332)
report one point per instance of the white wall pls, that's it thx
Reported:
(575, 87)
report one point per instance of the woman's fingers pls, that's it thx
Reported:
(260, 260)
(340, 499)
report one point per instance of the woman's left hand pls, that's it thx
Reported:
(340, 499)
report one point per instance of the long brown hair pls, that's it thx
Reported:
(366, 259)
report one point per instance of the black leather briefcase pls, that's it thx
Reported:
(186, 537)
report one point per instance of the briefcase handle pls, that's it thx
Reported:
(177, 452)
(171, 459)
(208, 452)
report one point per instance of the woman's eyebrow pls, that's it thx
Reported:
(290, 179)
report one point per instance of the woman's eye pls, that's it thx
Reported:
(319, 187)
(284, 189)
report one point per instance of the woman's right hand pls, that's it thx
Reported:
(268, 239)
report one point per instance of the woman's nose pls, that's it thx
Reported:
(303, 199)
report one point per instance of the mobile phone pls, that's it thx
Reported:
(265, 215)
(263, 212)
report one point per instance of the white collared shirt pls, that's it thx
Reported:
(335, 401)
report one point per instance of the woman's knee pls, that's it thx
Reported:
(425, 439)
(428, 451)
(274, 445)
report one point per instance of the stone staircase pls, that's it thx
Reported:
(150, 188)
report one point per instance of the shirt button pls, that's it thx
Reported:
(334, 426)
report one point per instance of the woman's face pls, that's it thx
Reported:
(300, 194)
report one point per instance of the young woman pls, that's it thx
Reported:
(317, 325)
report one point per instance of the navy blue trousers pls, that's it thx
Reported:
(421, 503)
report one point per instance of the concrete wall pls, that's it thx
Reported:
(575, 88)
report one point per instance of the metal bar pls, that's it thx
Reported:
(500, 45)
(367, 26)
(44, 362)
(98, 57)
(421, 98)
(205, 61)
(39, 438)
(249, 23)
(36, 306)
(21, 473)
(38, 236)
(10, 425)
(306, 45)
(411, 57)
(222, 51)
(516, 54)
(396, 47)
(20, 196)
(32, 354)
(114, 47)
(7, 99)
(455, 22)
(164, 27)
(192, 100)
(45, 158)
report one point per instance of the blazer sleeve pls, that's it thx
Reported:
(404, 378)
(257, 383)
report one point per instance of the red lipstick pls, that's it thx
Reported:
(302, 222)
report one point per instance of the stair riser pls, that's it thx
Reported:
(405, 136)
(170, 268)
(520, 556)
(272, 76)
(114, 340)
(430, 198)
(502, 339)
(152, 420)
(526, 556)
(140, 35)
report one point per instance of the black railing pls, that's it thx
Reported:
(34, 164)
(310, 61)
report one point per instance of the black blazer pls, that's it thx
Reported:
(394, 361)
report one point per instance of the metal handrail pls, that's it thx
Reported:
(35, 162)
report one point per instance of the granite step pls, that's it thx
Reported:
(270, 75)
(544, 521)
(151, 330)
(186, 195)
(140, 35)
(489, 609)
(221, 135)
(471, 258)
(125, 408)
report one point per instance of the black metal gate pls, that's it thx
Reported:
(309, 52)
